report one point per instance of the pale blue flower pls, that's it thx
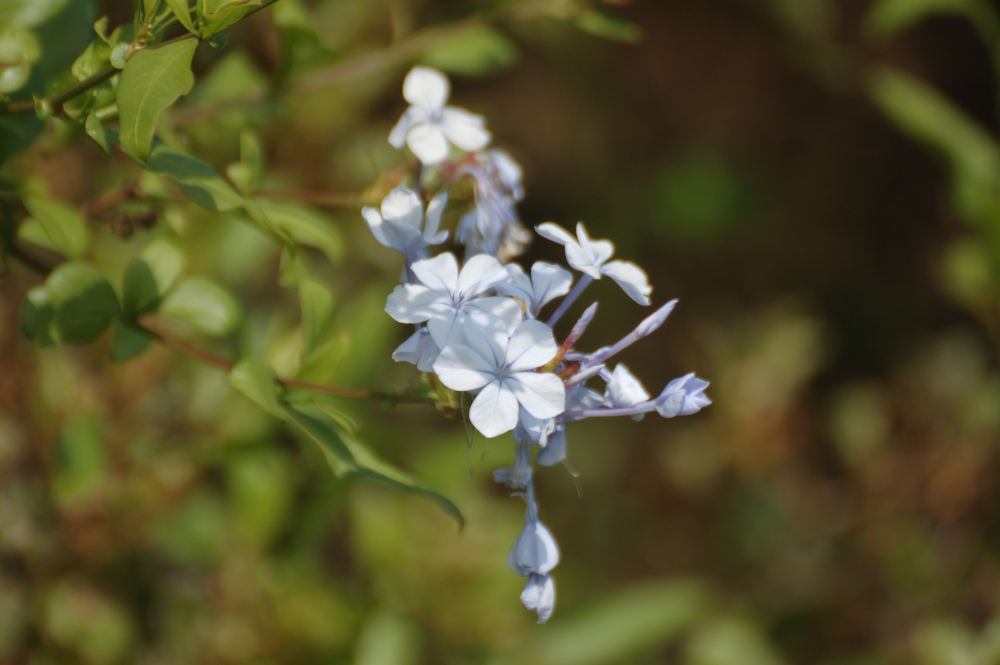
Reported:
(539, 595)
(448, 299)
(683, 396)
(428, 126)
(398, 224)
(502, 369)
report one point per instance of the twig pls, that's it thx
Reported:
(337, 391)
(57, 100)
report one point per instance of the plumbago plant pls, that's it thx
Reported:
(479, 327)
(485, 330)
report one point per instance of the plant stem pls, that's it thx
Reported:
(337, 391)
(218, 362)
(57, 100)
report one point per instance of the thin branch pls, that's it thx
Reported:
(57, 100)
(226, 366)
(221, 363)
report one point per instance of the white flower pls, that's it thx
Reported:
(547, 281)
(398, 225)
(539, 595)
(624, 389)
(555, 448)
(428, 125)
(448, 299)
(534, 551)
(418, 349)
(502, 368)
(683, 396)
(591, 258)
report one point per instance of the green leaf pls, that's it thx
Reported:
(608, 27)
(74, 306)
(259, 383)
(129, 341)
(19, 50)
(246, 173)
(477, 50)
(183, 13)
(54, 225)
(317, 308)
(217, 15)
(29, 13)
(149, 276)
(924, 113)
(152, 80)
(95, 130)
(199, 180)
(350, 459)
(202, 304)
(302, 223)
(889, 17)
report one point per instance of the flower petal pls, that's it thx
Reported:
(683, 396)
(438, 272)
(548, 281)
(412, 303)
(402, 206)
(531, 345)
(539, 595)
(534, 551)
(554, 450)
(624, 389)
(434, 210)
(631, 278)
(555, 233)
(461, 368)
(494, 411)
(418, 349)
(426, 88)
(464, 129)
(542, 394)
(428, 143)
(481, 272)
(412, 115)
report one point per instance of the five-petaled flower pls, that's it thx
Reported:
(591, 258)
(428, 126)
(398, 225)
(502, 368)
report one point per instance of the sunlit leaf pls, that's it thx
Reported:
(55, 225)
(246, 173)
(350, 459)
(74, 306)
(316, 302)
(150, 275)
(258, 382)
(183, 13)
(202, 304)
(152, 80)
(302, 223)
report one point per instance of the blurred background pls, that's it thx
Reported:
(818, 181)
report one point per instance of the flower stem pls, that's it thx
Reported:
(583, 283)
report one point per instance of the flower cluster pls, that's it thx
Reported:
(479, 324)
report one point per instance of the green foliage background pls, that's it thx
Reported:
(818, 181)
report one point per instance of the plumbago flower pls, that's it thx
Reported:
(428, 126)
(398, 225)
(478, 325)
(502, 368)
